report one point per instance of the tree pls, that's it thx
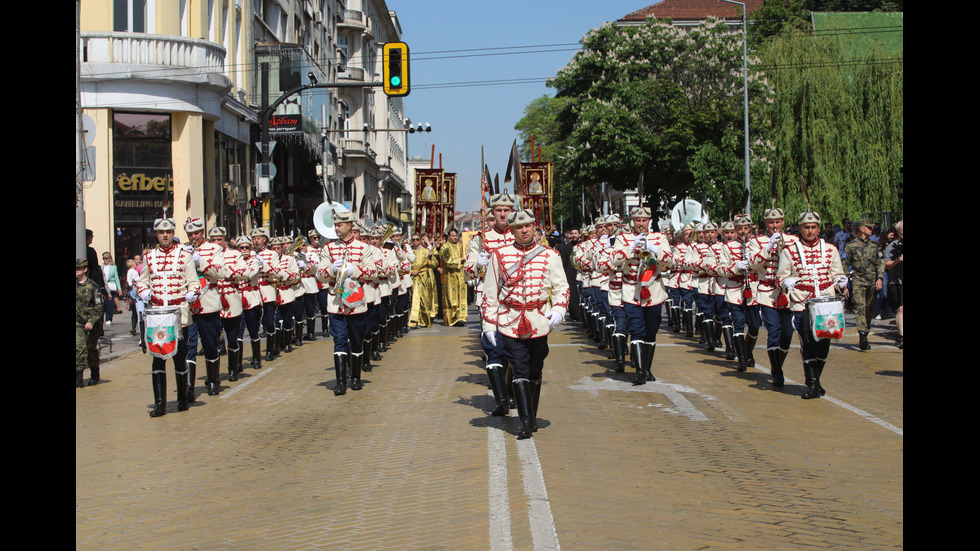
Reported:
(652, 99)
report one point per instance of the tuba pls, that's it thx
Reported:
(323, 218)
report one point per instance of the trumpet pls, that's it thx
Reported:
(341, 275)
(641, 244)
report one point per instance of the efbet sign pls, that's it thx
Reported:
(142, 182)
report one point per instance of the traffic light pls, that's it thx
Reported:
(395, 62)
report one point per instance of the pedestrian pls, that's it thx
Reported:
(810, 268)
(525, 298)
(895, 264)
(135, 305)
(866, 266)
(89, 310)
(113, 287)
(169, 279)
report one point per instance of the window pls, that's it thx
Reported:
(129, 16)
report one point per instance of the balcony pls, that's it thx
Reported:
(351, 73)
(150, 56)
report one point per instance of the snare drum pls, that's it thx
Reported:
(826, 317)
(162, 330)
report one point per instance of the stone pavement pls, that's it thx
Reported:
(703, 458)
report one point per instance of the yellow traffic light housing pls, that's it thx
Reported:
(395, 63)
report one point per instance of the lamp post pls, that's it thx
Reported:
(745, 90)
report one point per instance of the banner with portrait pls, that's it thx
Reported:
(428, 201)
(536, 192)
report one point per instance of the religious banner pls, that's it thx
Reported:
(448, 201)
(535, 185)
(428, 203)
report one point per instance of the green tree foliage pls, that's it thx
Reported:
(657, 100)
(837, 123)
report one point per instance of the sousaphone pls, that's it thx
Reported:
(323, 218)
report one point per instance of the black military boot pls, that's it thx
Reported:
(286, 344)
(368, 347)
(191, 381)
(676, 312)
(776, 359)
(739, 345)
(159, 382)
(325, 324)
(648, 350)
(213, 368)
(818, 370)
(270, 346)
(182, 394)
(93, 376)
(863, 340)
(298, 332)
(310, 329)
(509, 381)
(727, 333)
(708, 334)
(257, 354)
(812, 380)
(233, 365)
(535, 398)
(382, 337)
(356, 362)
(341, 363)
(700, 329)
(619, 351)
(750, 340)
(79, 379)
(498, 385)
(525, 407)
(600, 329)
(637, 352)
(689, 323)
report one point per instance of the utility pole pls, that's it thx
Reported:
(80, 241)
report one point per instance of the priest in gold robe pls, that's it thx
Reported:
(452, 256)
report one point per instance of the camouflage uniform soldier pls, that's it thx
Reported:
(89, 309)
(864, 261)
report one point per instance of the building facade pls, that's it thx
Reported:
(170, 101)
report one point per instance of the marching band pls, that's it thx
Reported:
(368, 286)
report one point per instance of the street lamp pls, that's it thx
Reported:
(745, 89)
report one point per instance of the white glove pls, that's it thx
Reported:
(653, 248)
(190, 296)
(742, 265)
(482, 259)
(636, 245)
(197, 258)
(491, 337)
(145, 296)
(554, 318)
(604, 240)
(336, 265)
(300, 263)
(350, 269)
(261, 262)
(842, 281)
(772, 242)
(789, 283)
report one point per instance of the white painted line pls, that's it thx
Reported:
(672, 391)
(880, 422)
(250, 380)
(543, 533)
(499, 502)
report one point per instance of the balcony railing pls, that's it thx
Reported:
(152, 49)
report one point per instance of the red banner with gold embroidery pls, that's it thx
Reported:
(536, 196)
(428, 201)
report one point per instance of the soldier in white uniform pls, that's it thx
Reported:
(347, 265)
(480, 249)
(268, 277)
(810, 268)
(251, 302)
(231, 297)
(764, 253)
(209, 259)
(169, 278)
(525, 296)
(640, 255)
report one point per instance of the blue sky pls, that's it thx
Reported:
(516, 40)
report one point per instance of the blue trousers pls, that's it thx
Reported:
(348, 332)
(526, 356)
(779, 327)
(642, 324)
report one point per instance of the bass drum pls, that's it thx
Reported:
(826, 315)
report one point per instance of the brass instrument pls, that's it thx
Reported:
(298, 243)
(341, 275)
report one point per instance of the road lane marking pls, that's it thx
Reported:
(673, 392)
(249, 381)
